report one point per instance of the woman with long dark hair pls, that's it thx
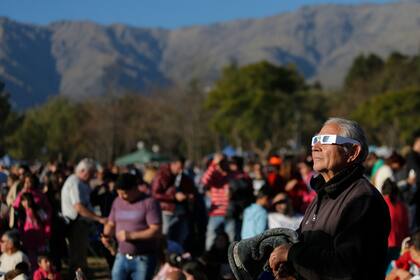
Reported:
(34, 226)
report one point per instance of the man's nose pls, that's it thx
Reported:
(316, 147)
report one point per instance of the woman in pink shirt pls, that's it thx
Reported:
(34, 226)
(30, 185)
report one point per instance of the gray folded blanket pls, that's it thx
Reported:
(248, 258)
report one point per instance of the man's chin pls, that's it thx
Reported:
(318, 167)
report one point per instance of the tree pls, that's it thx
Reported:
(391, 118)
(253, 105)
(193, 121)
(49, 131)
(8, 118)
(313, 107)
(371, 76)
(363, 69)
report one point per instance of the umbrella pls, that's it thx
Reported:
(140, 156)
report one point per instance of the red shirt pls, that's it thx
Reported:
(41, 274)
(218, 186)
(399, 222)
(406, 262)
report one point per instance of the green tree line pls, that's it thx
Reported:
(259, 107)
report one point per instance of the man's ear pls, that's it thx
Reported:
(354, 152)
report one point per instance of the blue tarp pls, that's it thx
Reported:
(229, 151)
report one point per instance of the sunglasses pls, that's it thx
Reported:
(329, 139)
(282, 201)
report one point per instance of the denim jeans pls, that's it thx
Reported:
(137, 268)
(218, 224)
(175, 227)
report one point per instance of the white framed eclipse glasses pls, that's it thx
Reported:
(330, 139)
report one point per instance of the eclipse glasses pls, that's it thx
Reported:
(330, 139)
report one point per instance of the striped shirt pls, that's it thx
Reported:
(218, 185)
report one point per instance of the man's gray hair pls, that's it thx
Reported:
(353, 130)
(85, 164)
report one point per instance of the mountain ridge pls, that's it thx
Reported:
(82, 59)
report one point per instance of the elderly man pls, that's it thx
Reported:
(78, 211)
(344, 232)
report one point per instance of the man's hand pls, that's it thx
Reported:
(218, 158)
(403, 274)
(102, 220)
(107, 244)
(105, 241)
(123, 235)
(290, 185)
(411, 180)
(283, 273)
(278, 256)
(180, 196)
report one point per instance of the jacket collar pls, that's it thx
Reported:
(339, 182)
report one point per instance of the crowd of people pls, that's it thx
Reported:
(176, 220)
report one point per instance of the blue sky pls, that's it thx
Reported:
(152, 13)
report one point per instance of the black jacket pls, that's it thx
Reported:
(344, 232)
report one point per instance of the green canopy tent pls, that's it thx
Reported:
(140, 156)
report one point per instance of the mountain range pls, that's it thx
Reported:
(84, 59)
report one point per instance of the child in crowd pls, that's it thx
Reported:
(45, 270)
(407, 266)
(283, 215)
(256, 215)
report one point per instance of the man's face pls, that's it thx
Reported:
(127, 195)
(233, 167)
(85, 175)
(329, 158)
(176, 167)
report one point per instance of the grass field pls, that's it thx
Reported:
(98, 268)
